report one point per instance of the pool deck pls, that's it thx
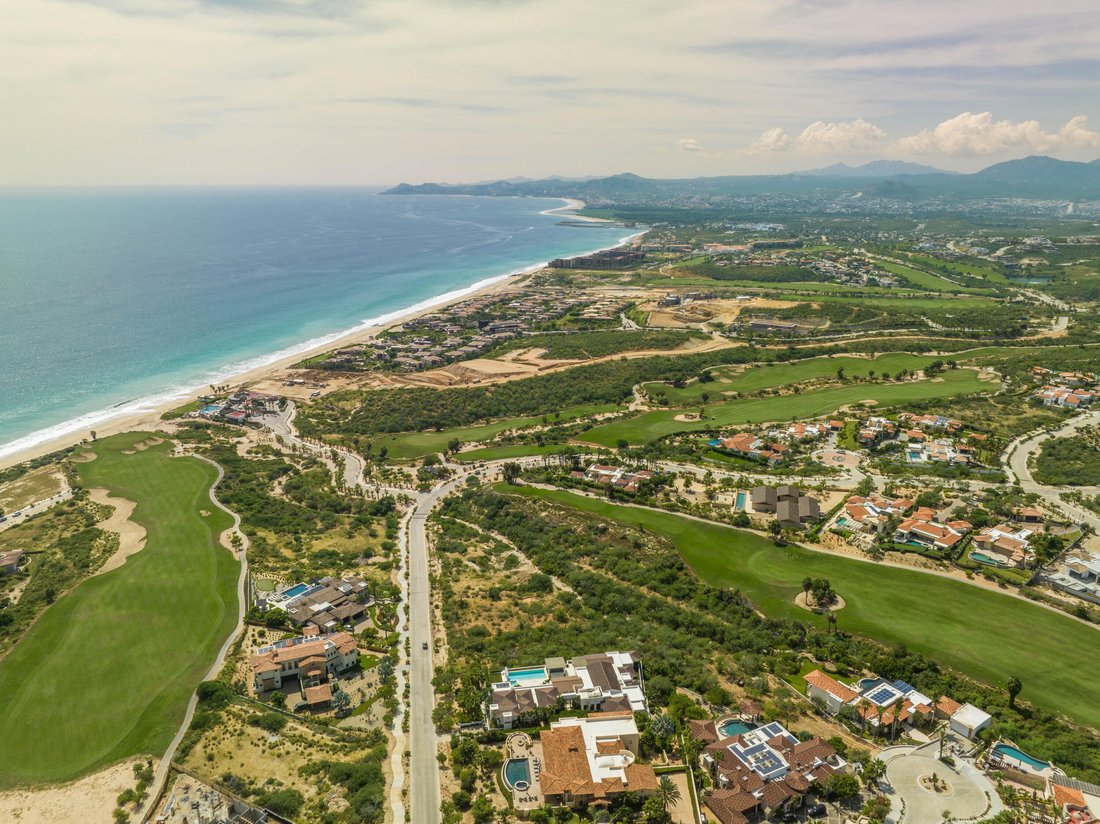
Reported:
(520, 745)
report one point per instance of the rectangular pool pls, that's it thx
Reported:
(527, 675)
(740, 501)
(294, 591)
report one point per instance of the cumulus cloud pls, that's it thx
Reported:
(689, 144)
(980, 134)
(823, 138)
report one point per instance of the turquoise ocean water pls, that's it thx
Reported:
(114, 300)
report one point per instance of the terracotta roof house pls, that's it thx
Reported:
(593, 760)
(312, 660)
(877, 701)
(704, 731)
(767, 764)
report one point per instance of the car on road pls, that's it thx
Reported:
(424, 645)
(816, 811)
(788, 817)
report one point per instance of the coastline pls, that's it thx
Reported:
(145, 413)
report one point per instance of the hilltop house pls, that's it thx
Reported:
(923, 531)
(614, 476)
(872, 513)
(9, 561)
(748, 445)
(765, 770)
(329, 605)
(591, 761)
(609, 681)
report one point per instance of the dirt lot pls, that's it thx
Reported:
(722, 310)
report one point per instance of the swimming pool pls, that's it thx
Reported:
(982, 558)
(517, 773)
(1010, 753)
(294, 591)
(527, 675)
(740, 500)
(732, 727)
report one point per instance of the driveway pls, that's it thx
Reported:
(965, 792)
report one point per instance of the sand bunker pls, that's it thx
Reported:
(131, 535)
(83, 457)
(89, 799)
(141, 446)
(801, 601)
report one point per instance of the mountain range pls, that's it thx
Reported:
(1029, 177)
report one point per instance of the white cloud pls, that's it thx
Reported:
(980, 134)
(689, 144)
(823, 138)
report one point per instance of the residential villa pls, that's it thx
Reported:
(748, 445)
(624, 479)
(313, 659)
(872, 513)
(925, 532)
(877, 703)
(880, 704)
(876, 429)
(591, 761)
(1065, 398)
(330, 604)
(926, 422)
(1002, 545)
(1079, 575)
(796, 432)
(792, 507)
(9, 561)
(608, 682)
(765, 770)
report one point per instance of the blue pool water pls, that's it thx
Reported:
(1010, 752)
(740, 500)
(732, 728)
(519, 676)
(982, 558)
(295, 590)
(515, 770)
(866, 683)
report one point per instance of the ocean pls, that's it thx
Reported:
(116, 300)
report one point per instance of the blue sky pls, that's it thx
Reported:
(380, 91)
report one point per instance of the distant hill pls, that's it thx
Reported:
(876, 168)
(1029, 177)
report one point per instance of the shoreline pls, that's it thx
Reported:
(145, 412)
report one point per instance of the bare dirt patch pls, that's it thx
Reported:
(131, 535)
(89, 799)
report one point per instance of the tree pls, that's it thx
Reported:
(842, 786)
(873, 770)
(1014, 688)
(510, 471)
(668, 792)
(807, 585)
(483, 810)
(453, 445)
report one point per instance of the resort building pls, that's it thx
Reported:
(765, 770)
(608, 682)
(312, 659)
(591, 761)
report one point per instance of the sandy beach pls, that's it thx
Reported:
(150, 419)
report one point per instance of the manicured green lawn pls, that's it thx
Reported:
(768, 376)
(978, 632)
(518, 450)
(930, 281)
(653, 425)
(107, 671)
(409, 445)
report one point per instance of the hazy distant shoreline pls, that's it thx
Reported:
(146, 411)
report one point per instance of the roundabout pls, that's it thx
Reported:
(929, 788)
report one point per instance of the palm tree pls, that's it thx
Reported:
(863, 705)
(1014, 687)
(668, 792)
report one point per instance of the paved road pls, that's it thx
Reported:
(36, 508)
(1020, 453)
(424, 790)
